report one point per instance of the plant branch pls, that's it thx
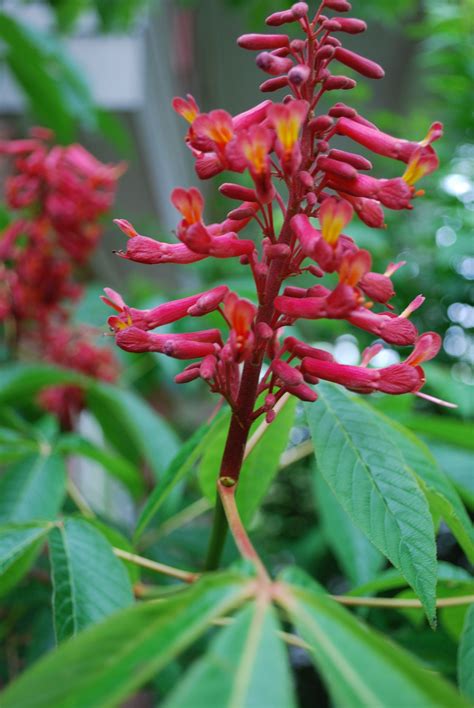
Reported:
(184, 575)
(227, 496)
(396, 602)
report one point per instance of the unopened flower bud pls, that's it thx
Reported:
(314, 270)
(264, 331)
(287, 373)
(333, 41)
(320, 124)
(297, 45)
(208, 366)
(270, 417)
(310, 378)
(237, 191)
(338, 5)
(304, 393)
(273, 64)
(340, 110)
(326, 52)
(241, 213)
(343, 169)
(263, 41)
(365, 67)
(351, 25)
(277, 250)
(306, 179)
(343, 83)
(357, 161)
(270, 400)
(331, 25)
(187, 376)
(274, 84)
(208, 302)
(298, 75)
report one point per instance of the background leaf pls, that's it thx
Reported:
(132, 426)
(466, 656)
(136, 643)
(246, 665)
(360, 667)
(89, 582)
(19, 546)
(366, 472)
(34, 488)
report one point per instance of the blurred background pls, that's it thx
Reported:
(104, 72)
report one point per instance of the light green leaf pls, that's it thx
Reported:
(19, 546)
(457, 464)
(105, 664)
(21, 382)
(117, 465)
(443, 498)
(356, 555)
(33, 489)
(361, 668)
(466, 656)
(89, 582)
(132, 426)
(261, 466)
(177, 470)
(366, 472)
(246, 666)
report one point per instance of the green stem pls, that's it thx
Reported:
(218, 536)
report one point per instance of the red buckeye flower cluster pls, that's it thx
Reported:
(57, 194)
(287, 144)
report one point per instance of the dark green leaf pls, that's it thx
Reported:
(109, 661)
(89, 582)
(466, 656)
(441, 494)
(19, 546)
(34, 488)
(246, 666)
(361, 668)
(177, 470)
(368, 475)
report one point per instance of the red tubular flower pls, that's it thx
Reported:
(285, 143)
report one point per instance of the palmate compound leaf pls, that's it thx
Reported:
(367, 473)
(33, 488)
(103, 665)
(89, 582)
(361, 668)
(466, 656)
(246, 666)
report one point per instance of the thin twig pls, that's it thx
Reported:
(258, 434)
(184, 575)
(401, 602)
(79, 500)
(298, 452)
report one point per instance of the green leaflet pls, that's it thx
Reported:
(466, 656)
(361, 668)
(109, 661)
(34, 488)
(368, 475)
(89, 582)
(443, 497)
(177, 470)
(19, 546)
(258, 470)
(356, 555)
(245, 666)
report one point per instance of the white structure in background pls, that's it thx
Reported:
(127, 74)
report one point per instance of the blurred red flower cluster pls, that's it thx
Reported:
(57, 195)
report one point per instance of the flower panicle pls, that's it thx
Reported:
(288, 143)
